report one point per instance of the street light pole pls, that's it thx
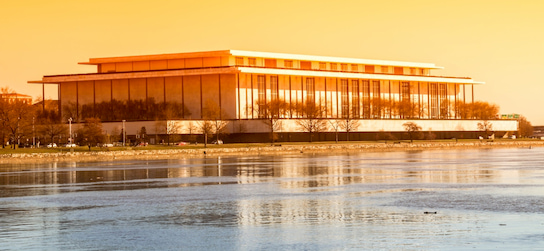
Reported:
(124, 133)
(70, 122)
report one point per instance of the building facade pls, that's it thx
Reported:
(14, 97)
(382, 95)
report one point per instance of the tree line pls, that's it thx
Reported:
(311, 114)
(20, 122)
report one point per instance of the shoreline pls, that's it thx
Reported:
(16, 158)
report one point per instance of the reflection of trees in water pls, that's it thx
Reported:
(117, 110)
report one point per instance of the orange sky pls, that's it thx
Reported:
(498, 42)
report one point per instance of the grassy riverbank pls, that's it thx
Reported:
(164, 151)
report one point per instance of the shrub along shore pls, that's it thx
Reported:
(8, 156)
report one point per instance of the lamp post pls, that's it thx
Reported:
(33, 134)
(70, 136)
(124, 133)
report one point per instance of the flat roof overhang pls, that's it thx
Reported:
(359, 75)
(257, 54)
(332, 59)
(95, 61)
(255, 70)
(131, 75)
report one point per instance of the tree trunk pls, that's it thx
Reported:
(205, 140)
(272, 132)
(216, 135)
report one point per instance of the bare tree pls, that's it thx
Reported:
(205, 127)
(4, 108)
(115, 134)
(311, 120)
(272, 112)
(525, 127)
(335, 125)
(349, 124)
(17, 118)
(51, 129)
(3, 131)
(412, 129)
(485, 126)
(91, 133)
(6, 90)
(167, 127)
(485, 110)
(478, 110)
(3, 121)
(172, 128)
(214, 115)
(192, 129)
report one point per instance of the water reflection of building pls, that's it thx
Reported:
(375, 168)
(292, 172)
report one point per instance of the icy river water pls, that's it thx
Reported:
(479, 199)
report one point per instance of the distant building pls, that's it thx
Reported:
(538, 131)
(239, 82)
(13, 97)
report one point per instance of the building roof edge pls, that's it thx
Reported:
(332, 59)
(120, 59)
